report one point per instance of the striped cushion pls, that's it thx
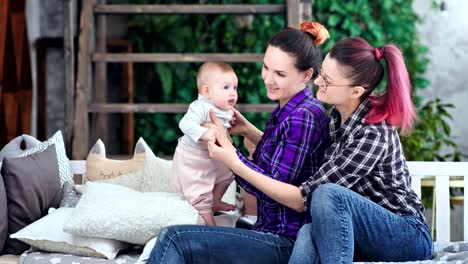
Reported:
(63, 161)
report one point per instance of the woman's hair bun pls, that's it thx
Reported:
(317, 30)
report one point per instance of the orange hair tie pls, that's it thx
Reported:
(317, 30)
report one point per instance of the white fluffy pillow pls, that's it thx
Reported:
(47, 234)
(116, 212)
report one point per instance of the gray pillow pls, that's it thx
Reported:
(3, 215)
(32, 186)
(63, 162)
(70, 197)
(13, 148)
(10, 150)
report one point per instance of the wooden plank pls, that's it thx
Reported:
(125, 94)
(129, 118)
(25, 110)
(10, 89)
(168, 108)
(18, 30)
(465, 208)
(99, 126)
(190, 9)
(11, 114)
(305, 9)
(41, 69)
(3, 32)
(442, 196)
(3, 139)
(25, 86)
(4, 7)
(80, 131)
(178, 57)
(293, 13)
(69, 57)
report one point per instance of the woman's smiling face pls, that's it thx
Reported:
(281, 77)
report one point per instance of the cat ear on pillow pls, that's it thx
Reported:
(98, 149)
(140, 147)
(99, 167)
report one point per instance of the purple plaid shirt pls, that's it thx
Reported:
(291, 151)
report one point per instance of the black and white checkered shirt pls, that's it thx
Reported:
(367, 159)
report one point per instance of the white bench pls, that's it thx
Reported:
(441, 171)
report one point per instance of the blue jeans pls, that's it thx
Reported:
(214, 244)
(346, 225)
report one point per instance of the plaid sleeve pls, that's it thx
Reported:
(299, 136)
(356, 158)
(243, 183)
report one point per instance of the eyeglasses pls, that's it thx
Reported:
(325, 85)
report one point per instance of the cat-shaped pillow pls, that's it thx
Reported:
(144, 172)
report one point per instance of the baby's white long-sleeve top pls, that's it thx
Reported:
(197, 114)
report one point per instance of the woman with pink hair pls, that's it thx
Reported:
(360, 199)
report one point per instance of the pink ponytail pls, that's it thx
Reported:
(365, 68)
(394, 105)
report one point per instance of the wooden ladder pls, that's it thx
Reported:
(92, 49)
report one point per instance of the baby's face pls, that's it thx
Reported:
(222, 89)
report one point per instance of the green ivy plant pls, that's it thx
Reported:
(431, 138)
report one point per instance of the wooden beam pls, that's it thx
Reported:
(3, 32)
(18, 29)
(168, 108)
(293, 13)
(69, 57)
(99, 126)
(190, 9)
(81, 130)
(305, 9)
(178, 57)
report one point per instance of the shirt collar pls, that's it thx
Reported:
(280, 113)
(217, 110)
(356, 118)
(203, 98)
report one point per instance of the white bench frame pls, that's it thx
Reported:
(441, 171)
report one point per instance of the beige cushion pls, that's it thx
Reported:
(99, 167)
(9, 259)
(155, 174)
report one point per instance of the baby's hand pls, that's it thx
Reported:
(209, 135)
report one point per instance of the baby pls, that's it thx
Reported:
(201, 180)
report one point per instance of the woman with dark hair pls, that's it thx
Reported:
(290, 150)
(360, 199)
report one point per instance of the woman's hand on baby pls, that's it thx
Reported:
(209, 135)
(239, 124)
(221, 150)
